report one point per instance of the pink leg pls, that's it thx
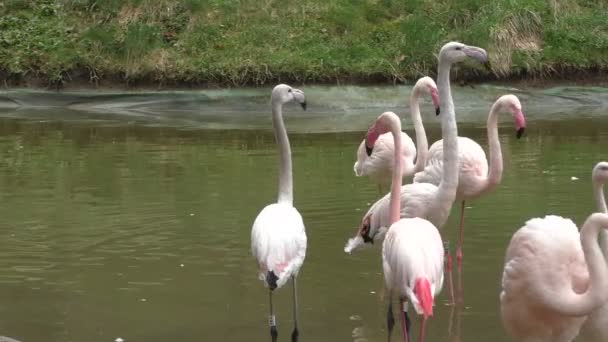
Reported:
(460, 238)
(448, 258)
(422, 326)
(403, 321)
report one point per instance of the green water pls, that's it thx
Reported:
(120, 227)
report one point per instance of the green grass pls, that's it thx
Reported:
(254, 42)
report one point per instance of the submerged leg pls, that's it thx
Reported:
(460, 237)
(448, 268)
(390, 319)
(295, 333)
(272, 321)
(405, 320)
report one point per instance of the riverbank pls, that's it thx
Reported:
(200, 43)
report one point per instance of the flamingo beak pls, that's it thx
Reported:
(435, 98)
(520, 132)
(303, 104)
(369, 150)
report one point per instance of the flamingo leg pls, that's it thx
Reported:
(405, 320)
(459, 253)
(295, 333)
(422, 326)
(448, 258)
(460, 237)
(390, 319)
(272, 321)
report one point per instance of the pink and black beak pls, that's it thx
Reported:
(435, 97)
(520, 123)
(370, 139)
(365, 230)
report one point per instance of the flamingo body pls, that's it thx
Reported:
(379, 166)
(411, 251)
(472, 170)
(278, 242)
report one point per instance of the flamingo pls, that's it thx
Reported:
(378, 166)
(412, 253)
(553, 277)
(474, 179)
(278, 236)
(425, 200)
(595, 328)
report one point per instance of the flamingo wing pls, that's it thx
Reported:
(278, 241)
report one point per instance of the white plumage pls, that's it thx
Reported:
(278, 242)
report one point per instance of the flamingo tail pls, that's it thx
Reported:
(424, 295)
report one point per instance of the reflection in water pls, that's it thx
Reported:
(115, 229)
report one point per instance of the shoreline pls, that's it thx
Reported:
(81, 81)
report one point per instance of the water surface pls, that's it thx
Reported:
(129, 214)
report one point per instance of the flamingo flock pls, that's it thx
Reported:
(555, 279)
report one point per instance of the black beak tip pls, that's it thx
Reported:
(437, 111)
(520, 132)
(303, 104)
(368, 150)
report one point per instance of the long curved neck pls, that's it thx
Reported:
(280, 134)
(395, 209)
(600, 201)
(571, 303)
(495, 167)
(422, 146)
(449, 182)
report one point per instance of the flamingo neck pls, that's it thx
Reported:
(285, 174)
(600, 201)
(395, 208)
(495, 168)
(449, 182)
(567, 301)
(422, 145)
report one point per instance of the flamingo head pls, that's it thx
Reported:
(427, 85)
(382, 125)
(453, 52)
(512, 104)
(283, 93)
(600, 173)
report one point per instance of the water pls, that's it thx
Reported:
(129, 215)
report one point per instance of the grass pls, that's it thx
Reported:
(254, 42)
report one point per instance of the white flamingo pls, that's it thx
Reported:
(278, 237)
(595, 328)
(412, 253)
(553, 277)
(379, 165)
(475, 177)
(425, 200)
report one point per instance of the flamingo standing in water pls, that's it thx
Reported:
(379, 164)
(553, 277)
(595, 328)
(412, 253)
(278, 237)
(425, 200)
(474, 179)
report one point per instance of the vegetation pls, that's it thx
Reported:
(253, 42)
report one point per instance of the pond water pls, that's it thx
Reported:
(129, 214)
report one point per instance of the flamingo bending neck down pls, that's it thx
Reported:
(553, 277)
(425, 200)
(475, 177)
(278, 237)
(412, 253)
(595, 328)
(379, 164)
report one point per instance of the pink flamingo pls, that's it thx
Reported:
(412, 253)
(379, 165)
(553, 277)
(595, 328)
(425, 200)
(474, 179)
(278, 237)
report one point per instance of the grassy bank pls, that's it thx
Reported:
(254, 42)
